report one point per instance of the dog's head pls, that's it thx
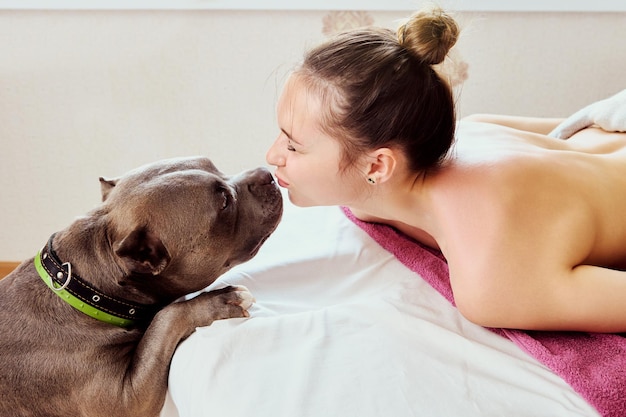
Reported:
(187, 223)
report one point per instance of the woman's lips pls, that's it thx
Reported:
(282, 183)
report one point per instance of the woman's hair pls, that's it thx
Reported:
(379, 88)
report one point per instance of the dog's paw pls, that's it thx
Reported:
(246, 297)
(228, 302)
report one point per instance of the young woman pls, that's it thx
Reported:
(533, 228)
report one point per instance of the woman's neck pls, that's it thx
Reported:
(405, 205)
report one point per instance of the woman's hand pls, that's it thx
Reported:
(608, 114)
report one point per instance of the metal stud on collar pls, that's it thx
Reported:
(60, 275)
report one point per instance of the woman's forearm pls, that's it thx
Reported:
(529, 124)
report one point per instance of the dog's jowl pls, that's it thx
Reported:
(89, 325)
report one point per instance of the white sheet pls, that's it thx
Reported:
(341, 328)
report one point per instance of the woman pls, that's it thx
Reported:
(533, 228)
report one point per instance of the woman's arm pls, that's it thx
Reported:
(529, 124)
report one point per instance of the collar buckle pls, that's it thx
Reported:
(84, 297)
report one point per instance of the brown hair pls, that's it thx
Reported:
(379, 89)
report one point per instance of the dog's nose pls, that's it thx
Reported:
(258, 181)
(260, 176)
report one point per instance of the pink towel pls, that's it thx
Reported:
(593, 364)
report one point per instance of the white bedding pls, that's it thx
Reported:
(341, 328)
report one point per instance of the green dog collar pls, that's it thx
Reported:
(77, 303)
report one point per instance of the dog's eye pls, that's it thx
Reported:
(225, 199)
(223, 195)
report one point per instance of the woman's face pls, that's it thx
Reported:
(308, 161)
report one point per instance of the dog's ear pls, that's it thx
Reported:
(142, 252)
(106, 186)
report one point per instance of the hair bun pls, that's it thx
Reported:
(429, 34)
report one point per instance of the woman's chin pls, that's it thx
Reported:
(299, 201)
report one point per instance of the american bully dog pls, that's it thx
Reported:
(89, 325)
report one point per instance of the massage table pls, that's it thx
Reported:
(341, 327)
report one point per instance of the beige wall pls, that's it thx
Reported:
(85, 94)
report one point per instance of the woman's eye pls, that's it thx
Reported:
(290, 147)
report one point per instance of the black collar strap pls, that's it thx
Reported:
(84, 297)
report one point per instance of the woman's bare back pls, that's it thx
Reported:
(534, 228)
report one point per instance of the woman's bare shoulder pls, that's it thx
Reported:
(517, 210)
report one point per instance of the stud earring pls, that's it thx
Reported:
(371, 180)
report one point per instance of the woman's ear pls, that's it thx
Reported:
(380, 165)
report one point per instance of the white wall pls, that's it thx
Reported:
(85, 94)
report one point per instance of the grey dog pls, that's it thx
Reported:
(89, 325)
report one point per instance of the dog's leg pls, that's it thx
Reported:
(146, 382)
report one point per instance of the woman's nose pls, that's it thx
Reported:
(274, 155)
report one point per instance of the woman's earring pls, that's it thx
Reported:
(371, 180)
